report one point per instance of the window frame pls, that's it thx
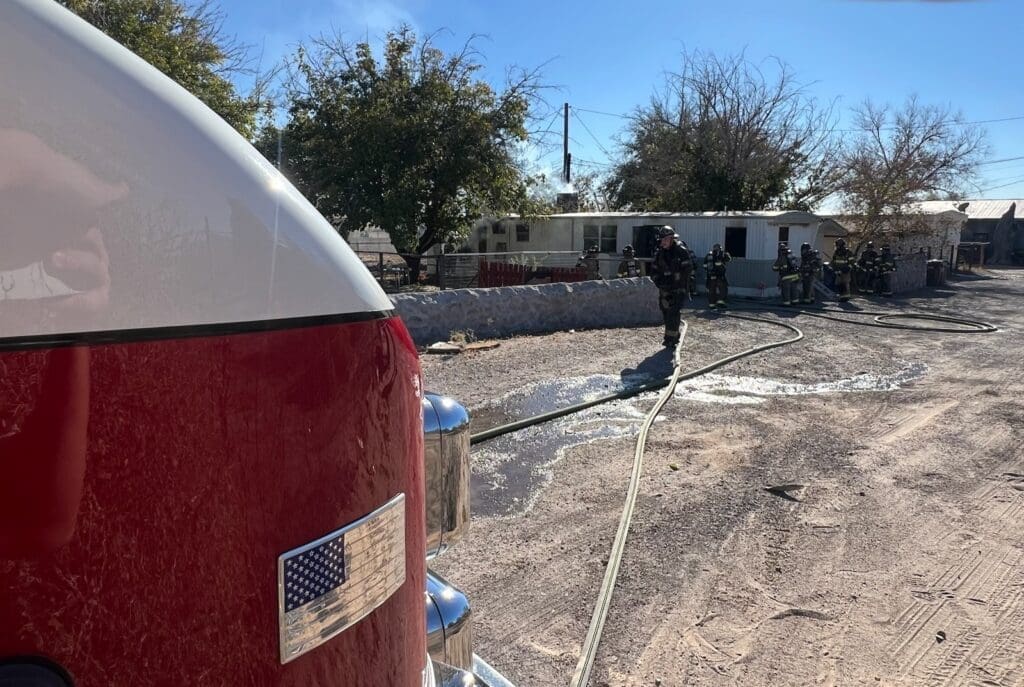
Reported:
(746, 237)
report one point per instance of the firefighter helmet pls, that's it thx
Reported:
(666, 231)
(628, 250)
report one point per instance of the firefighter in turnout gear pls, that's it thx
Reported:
(789, 274)
(589, 261)
(691, 283)
(867, 269)
(810, 269)
(630, 266)
(886, 268)
(842, 264)
(670, 272)
(718, 285)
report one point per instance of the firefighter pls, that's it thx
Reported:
(810, 269)
(670, 272)
(718, 285)
(691, 283)
(886, 267)
(590, 262)
(867, 268)
(630, 266)
(842, 264)
(789, 274)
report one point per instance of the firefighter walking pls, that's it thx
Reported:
(670, 273)
(718, 285)
(810, 268)
(842, 265)
(789, 274)
(629, 266)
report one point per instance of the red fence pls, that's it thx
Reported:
(505, 274)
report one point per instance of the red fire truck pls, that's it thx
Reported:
(217, 462)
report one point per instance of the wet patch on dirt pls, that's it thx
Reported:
(510, 471)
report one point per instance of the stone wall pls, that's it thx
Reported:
(511, 310)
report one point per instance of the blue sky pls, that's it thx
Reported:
(610, 56)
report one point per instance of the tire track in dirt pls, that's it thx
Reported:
(909, 422)
(960, 627)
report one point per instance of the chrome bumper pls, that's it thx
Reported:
(451, 661)
(483, 675)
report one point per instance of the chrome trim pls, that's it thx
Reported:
(482, 675)
(446, 467)
(374, 563)
(449, 626)
(429, 678)
(488, 675)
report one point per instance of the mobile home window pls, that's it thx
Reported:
(783, 234)
(605, 237)
(499, 228)
(736, 241)
(522, 233)
(500, 247)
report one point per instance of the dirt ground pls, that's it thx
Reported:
(898, 560)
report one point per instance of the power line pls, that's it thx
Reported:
(580, 120)
(1014, 118)
(593, 163)
(599, 112)
(550, 124)
(993, 121)
(1020, 180)
(953, 122)
(1005, 159)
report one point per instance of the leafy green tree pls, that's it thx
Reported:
(415, 143)
(184, 42)
(723, 134)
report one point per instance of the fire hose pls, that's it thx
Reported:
(588, 653)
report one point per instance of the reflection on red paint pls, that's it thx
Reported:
(43, 459)
(160, 481)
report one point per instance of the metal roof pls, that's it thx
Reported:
(977, 208)
(776, 216)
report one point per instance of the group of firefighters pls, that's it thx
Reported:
(674, 272)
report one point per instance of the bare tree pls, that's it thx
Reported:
(900, 157)
(728, 133)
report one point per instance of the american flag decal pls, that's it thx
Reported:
(312, 574)
(328, 585)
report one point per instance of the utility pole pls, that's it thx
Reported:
(566, 156)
